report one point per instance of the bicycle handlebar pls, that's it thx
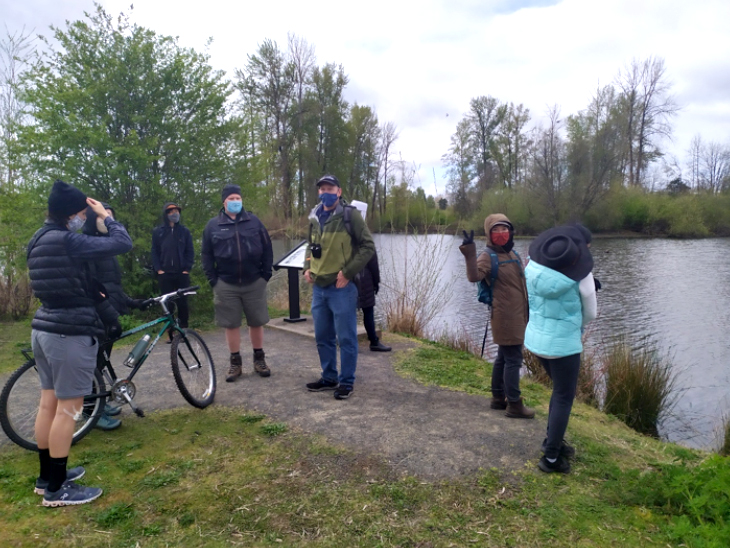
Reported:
(173, 295)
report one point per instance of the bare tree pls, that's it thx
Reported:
(460, 168)
(16, 53)
(485, 116)
(549, 164)
(695, 155)
(714, 166)
(648, 109)
(388, 136)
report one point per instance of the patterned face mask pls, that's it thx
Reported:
(76, 223)
(500, 238)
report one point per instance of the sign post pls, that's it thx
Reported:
(293, 261)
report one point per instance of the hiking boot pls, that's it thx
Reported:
(343, 392)
(234, 371)
(498, 402)
(377, 346)
(321, 385)
(568, 451)
(107, 423)
(518, 410)
(561, 465)
(72, 474)
(112, 410)
(71, 494)
(259, 363)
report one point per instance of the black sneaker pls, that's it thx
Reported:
(568, 451)
(71, 494)
(322, 384)
(561, 465)
(343, 392)
(71, 475)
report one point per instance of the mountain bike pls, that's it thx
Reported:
(192, 368)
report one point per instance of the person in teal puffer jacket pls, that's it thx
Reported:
(562, 298)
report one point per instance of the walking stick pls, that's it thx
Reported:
(484, 340)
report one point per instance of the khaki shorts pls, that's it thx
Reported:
(232, 302)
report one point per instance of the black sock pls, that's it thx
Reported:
(58, 473)
(235, 353)
(255, 350)
(45, 457)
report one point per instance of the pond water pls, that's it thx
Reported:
(672, 294)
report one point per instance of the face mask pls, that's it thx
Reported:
(234, 206)
(76, 223)
(174, 217)
(328, 199)
(500, 238)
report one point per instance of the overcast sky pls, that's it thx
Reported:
(418, 63)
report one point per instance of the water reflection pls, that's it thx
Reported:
(675, 294)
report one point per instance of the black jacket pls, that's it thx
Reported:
(172, 247)
(61, 280)
(369, 283)
(237, 251)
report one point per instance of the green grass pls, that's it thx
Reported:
(226, 476)
(14, 336)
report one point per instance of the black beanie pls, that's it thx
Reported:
(65, 200)
(230, 189)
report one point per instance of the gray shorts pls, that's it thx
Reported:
(233, 301)
(65, 363)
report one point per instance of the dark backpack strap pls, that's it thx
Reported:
(495, 268)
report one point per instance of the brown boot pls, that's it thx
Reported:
(259, 363)
(518, 410)
(234, 371)
(498, 402)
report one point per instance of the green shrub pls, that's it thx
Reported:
(639, 385)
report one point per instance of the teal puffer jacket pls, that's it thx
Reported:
(554, 328)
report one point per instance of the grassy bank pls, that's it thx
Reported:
(225, 477)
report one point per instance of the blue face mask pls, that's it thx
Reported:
(76, 223)
(234, 206)
(328, 199)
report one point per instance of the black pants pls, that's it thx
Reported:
(564, 374)
(368, 319)
(506, 372)
(171, 282)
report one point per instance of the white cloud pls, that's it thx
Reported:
(417, 62)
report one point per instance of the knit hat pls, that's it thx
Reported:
(65, 200)
(329, 180)
(230, 189)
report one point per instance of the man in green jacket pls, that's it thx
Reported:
(340, 245)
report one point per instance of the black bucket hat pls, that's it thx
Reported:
(563, 249)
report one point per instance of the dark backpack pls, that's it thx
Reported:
(484, 288)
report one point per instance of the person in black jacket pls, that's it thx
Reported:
(237, 260)
(368, 286)
(108, 273)
(173, 256)
(65, 332)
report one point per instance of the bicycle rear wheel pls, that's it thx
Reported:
(19, 406)
(193, 369)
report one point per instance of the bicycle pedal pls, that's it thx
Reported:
(139, 412)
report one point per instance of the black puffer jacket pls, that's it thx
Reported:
(369, 283)
(60, 277)
(238, 251)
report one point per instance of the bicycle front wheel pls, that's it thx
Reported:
(19, 406)
(192, 366)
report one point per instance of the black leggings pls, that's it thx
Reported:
(564, 374)
(172, 282)
(368, 319)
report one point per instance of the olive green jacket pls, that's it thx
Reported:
(339, 250)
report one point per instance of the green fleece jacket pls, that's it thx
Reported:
(339, 250)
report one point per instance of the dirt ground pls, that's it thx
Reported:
(424, 431)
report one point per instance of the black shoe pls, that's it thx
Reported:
(568, 451)
(561, 465)
(343, 392)
(379, 347)
(321, 385)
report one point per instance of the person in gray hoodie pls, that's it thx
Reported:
(173, 256)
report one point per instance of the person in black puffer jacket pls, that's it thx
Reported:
(108, 273)
(368, 287)
(65, 332)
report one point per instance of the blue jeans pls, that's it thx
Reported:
(335, 321)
